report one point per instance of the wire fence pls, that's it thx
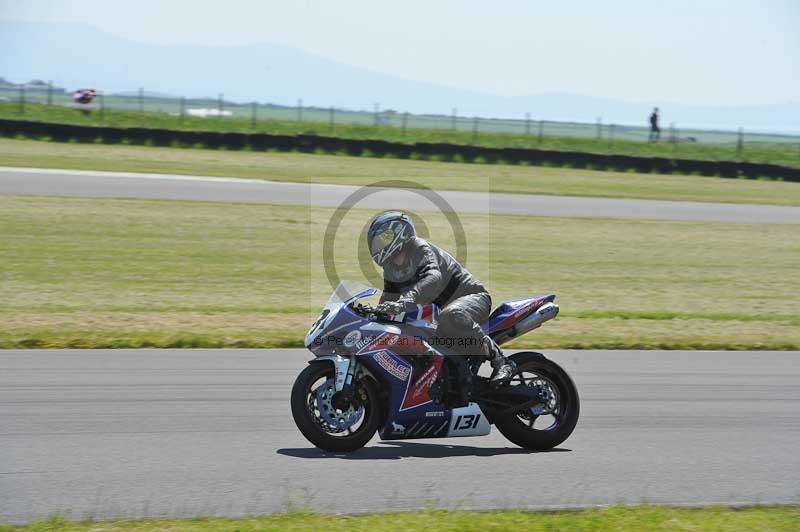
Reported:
(326, 120)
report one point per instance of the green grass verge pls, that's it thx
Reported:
(362, 171)
(644, 518)
(132, 273)
(783, 153)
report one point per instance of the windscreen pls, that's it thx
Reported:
(348, 290)
(344, 293)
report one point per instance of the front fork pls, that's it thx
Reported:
(345, 369)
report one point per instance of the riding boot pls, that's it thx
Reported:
(503, 368)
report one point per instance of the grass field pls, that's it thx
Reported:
(129, 273)
(783, 153)
(647, 518)
(364, 170)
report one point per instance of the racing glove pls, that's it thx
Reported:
(391, 308)
(398, 307)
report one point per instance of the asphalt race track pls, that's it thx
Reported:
(142, 433)
(32, 181)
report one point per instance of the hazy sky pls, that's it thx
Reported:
(705, 52)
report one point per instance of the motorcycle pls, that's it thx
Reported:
(378, 372)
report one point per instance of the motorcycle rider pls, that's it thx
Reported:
(418, 272)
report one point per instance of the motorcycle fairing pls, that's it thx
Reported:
(412, 413)
(407, 391)
(438, 423)
(333, 325)
(424, 316)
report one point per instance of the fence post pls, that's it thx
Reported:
(672, 138)
(300, 110)
(376, 109)
(182, 112)
(220, 104)
(541, 130)
(332, 119)
(475, 130)
(253, 114)
(453, 119)
(527, 124)
(739, 143)
(102, 108)
(405, 122)
(141, 99)
(599, 128)
(611, 134)
(22, 99)
(50, 92)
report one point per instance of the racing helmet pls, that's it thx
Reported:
(387, 233)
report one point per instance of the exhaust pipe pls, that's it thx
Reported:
(532, 321)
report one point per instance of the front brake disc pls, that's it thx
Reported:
(338, 420)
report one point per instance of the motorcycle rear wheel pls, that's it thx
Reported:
(520, 428)
(312, 425)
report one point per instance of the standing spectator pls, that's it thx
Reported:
(655, 131)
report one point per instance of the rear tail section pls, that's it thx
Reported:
(532, 321)
(515, 318)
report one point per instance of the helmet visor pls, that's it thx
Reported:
(380, 241)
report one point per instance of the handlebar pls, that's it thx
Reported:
(371, 313)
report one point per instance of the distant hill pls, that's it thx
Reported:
(74, 55)
(145, 94)
(32, 85)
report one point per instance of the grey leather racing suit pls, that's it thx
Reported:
(428, 274)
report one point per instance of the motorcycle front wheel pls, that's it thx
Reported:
(548, 424)
(327, 427)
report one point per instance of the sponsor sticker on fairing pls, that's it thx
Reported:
(425, 381)
(352, 338)
(391, 365)
(364, 342)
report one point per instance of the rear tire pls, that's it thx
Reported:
(309, 424)
(517, 429)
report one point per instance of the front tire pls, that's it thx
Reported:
(312, 422)
(536, 369)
